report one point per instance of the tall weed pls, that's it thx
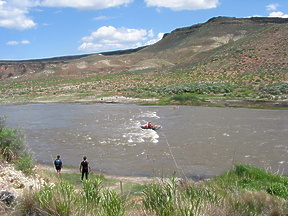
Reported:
(112, 203)
(57, 200)
(160, 198)
(92, 191)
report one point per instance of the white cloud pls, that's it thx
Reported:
(183, 4)
(272, 6)
(79, 4)
(278, 14)
(101, 18)
(25, 42)
(111, 38)
(159, 37)
(14, 18)
(12, 43)
(14, 13)
(84, 4)
(18, 42)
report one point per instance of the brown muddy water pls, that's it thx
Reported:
(194, 142)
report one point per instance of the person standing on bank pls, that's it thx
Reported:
(84, 168)
(58, 165)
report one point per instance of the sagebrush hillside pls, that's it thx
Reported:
(238, 51)
(223, 45)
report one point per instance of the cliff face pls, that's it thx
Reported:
(181, 47)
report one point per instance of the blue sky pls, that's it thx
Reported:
(33, 29)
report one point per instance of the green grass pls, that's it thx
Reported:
(75, 178)
(253, 178)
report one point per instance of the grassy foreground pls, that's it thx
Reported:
(244, 190)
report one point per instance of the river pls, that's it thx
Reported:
(194, 142)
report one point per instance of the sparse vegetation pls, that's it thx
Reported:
(245, 190)
(276, 89)
(142, 86)
(13, 148)
(213, 60)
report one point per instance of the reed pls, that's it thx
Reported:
(92, 191)
(112, 203)
(160, 198)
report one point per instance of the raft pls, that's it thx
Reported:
(155, 127)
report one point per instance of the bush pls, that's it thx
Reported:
(11, 142)
(25, 163)
(275, 89)
(199, 88)
(13, 148)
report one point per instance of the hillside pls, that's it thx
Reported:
(242, 51)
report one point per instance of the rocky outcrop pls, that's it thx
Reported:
(13, 183)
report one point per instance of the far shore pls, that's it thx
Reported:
(109, 99)
(210, 102)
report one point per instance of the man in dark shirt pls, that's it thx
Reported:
(84, 168)
(58, 165)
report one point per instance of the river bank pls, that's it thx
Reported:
(16, 182)
(122, 178)
(14, 185)
(208, 101)
(227, 194)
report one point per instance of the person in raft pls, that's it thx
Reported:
(58, 165)
(84, 168)
(149, 125)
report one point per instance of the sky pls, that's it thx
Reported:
(35, 29)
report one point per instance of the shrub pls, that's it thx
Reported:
(13, 148)
(199, 88)
(275, 89)
(11, 142)
(25, 163)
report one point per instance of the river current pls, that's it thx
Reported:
(194, 142)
